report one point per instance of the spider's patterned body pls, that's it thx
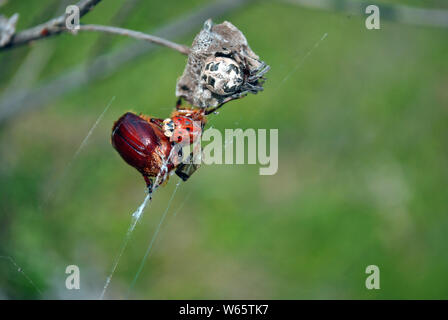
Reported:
(222, 75)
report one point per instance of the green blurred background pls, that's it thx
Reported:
(362, 118)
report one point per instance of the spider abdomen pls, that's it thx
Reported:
(222, 75)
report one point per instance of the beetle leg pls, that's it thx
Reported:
(157, 122)
(149, 183)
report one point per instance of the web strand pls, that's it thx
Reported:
(300, 63)
(78, 151)
(154, 237)
(136, 216)
(20, 270)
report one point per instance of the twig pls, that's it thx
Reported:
(137, 35)
(57, 25)
(49, 28)
(35, 59)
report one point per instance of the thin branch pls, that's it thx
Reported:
(137, 35)
(35, 59)
(49, 28)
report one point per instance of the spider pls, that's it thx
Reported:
(228, 75)
(154, 146)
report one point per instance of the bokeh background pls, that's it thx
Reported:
(363, 153)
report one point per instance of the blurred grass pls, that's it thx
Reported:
(361, 180)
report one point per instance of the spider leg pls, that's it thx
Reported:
(259, 72)
(238, 95)
(179, 104)
(253, 88)
(234, 96)
(213, 109)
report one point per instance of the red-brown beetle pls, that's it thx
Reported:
(153, 146)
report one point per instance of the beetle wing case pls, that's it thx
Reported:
(140, 143)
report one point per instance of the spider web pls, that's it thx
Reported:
(153, 239)
(55, 187)
(227, 144)
(137, 214)
(136, 217)
(52, 191)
